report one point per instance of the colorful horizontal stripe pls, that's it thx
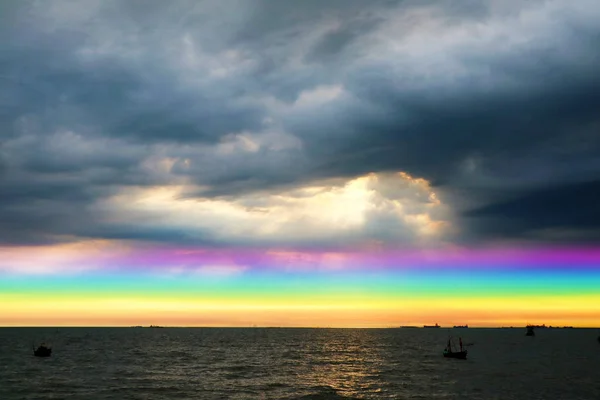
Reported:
(208, 287)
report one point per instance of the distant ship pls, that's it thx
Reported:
(543, 326)
(431, 326)
(408, 326)
(460, 326)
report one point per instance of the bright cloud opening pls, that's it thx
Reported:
(392, 208)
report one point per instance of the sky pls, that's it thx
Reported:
(333, 163)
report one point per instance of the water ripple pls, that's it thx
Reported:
(95, 363)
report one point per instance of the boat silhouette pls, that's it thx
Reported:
(450, 353)
(42, 351)
(530, 331)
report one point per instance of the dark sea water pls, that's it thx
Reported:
(179, 363)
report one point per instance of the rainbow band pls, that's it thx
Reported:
(264, 288)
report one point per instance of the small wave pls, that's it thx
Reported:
(323, 392)
(238, 368)
(274, 385)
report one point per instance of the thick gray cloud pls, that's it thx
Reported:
(495, 103)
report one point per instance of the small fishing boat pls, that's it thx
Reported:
(530, 331)
(450, 353)
(42, 351)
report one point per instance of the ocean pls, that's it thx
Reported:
(273, 363)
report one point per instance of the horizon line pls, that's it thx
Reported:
(289, 327)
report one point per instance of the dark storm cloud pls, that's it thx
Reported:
(38, 212)
(158, 235)
(565, 208)
(495, 103)
(437, 135)
(121, 94)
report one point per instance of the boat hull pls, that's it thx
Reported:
(461, 355)
(42, 352)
